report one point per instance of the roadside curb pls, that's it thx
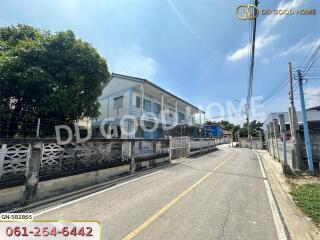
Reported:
(295, 221)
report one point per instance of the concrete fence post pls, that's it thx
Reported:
(132, 161)
(261, 140)
(170, 149)
(272, 143)
(154, 146)
(189, 146)
(276, 134)
(32, 174)
(283, 134)
(2, 157)
(295, 139)
(268, 139)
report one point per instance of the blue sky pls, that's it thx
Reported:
(193, 48)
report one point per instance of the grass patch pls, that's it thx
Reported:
(307, 196)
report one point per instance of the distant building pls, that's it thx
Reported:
(214, 130)
(227, 135)
(313, 117)
(148, 103)
(316, 108)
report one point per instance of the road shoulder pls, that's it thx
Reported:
(298, 225)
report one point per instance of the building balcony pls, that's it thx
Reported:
(151, 116)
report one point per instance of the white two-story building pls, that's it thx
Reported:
(137, 108)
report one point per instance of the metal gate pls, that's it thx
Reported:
(179, 147)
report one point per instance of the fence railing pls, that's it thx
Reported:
(30, 161)
(179, 147)
(62, 160)
(46, 159)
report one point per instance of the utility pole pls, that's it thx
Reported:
(253, 43)
(291, 85)
(296, 143)
(231, 138)
(284, 137)
(248, 125)
(305, 125)
(238, 137)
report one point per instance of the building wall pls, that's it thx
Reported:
(117, 84)
(107, 109)
(129, 90)
(276, 150)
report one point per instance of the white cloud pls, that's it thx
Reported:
(271, 20)
(264, 39)
(261, 42)
(265, 60)
(239, 54)
(132, 61)
(300, 46)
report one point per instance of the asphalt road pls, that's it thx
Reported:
(221, 195)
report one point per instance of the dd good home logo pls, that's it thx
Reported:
(247, 11)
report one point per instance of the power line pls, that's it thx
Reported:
(310, 73)
(310, 50)
(314, 58)
(276, 89)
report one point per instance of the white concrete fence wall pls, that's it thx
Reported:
(185, 147)
(254, 142)
(276, 149)
(38, 167)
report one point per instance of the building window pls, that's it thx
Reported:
(156, 109)
(138, 102)
(181, 117)
(172, 113)
(118, 102)
(147, 105)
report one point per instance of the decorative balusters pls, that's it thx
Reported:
(14, 160)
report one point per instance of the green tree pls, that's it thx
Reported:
(47, 75)
(226, 125)
(254, 126)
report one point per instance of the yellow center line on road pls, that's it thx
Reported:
(140, 228)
